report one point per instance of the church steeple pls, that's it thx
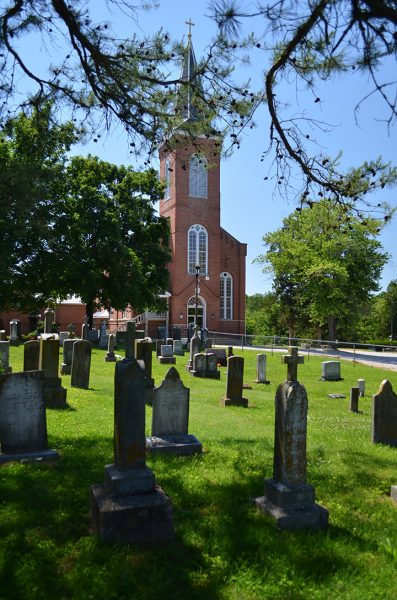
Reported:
(192, 85)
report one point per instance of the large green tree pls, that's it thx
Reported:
(325, 268)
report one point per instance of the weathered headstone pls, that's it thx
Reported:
(354, 394)
(261, 369)
(130, 340)
(23, 428)
(93, 336)
(2, 335)
(206, 366)
(288, 498)
(81, 364)
(159, 343)
(178, 348)
(230, 351)
(110, 356)
(54, 393)
(161, 332)
(361, 387)
(71, 331)
(195, 348)
(66, 365)
(177, 333)
(330, 370)
(103, 336)
(166, 357)
(170, 418)
(48, 320)
(31, 355)
(384, 415)
(85, 330)
(63, 335)
(234, 384)
(220, 355)
(14, 337)
(5, 356)
(129, 507)
(144, 352)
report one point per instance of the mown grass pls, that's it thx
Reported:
(224, 549)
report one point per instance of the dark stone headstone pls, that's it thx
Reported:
(31, 355)
(384, 415)
(5, 356)
(167, 356)
(66, 365)
(144, 353)
(195, 348)
(54, 393)
(130, 340)
(234, 384)
(81, 364)
(177, 333)
(161, 332)
(129, 507)
(110, 355)
(288, 498)
(354, 395)
(206, 366)
(220, 355)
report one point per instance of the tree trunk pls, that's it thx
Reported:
(332, 328)
(89, 311)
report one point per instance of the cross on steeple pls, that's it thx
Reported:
(293, 360)
(190, 23)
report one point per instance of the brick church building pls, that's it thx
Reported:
(207, 262)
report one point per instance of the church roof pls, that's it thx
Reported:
(191, 86)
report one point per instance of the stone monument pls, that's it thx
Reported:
(110, 355)
(234, 383)
(81, 364)
(166, 357)
(330, 370)
(354, 394)
(288, 498)
(261, 369)
(5, 356)
(54, 393)
(384, 415)
(31, 355)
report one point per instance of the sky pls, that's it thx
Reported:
(250, 205)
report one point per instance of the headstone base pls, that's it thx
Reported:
(34, 456)
(54, 394)
(292, 519)
(110, 358)
(266, 382)
(331, 379)
(234, 402)
(14, 342)
(206, 374)
(167, 360)
(393, 493)
(137, 519)
(127, 482)
(65, 369)
(177, 445)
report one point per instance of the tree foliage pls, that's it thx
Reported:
(325, 268)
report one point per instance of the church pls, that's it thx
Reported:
(207, 269)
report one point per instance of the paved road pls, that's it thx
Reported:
(384, 360)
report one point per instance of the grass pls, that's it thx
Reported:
(224, 548)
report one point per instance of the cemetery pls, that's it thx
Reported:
(292, 494)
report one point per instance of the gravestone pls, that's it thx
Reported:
(176, 333)
(54, 393)
(130, 340)
(63, 335)
(103, 336)
(261, 369)
(361, 387)
(206, 366)
(169, 341)
(23, 428)
(81, 364)
(384, 415)
(139, 335)
(93, 336)
(159, 343)
(14, 338)
(288, 498)
(161, 332)
(48, 320)
(354, 394)
(129, 507)
(5, 356)
(85, 330)
(393, 493)
(2, 335)
(234, 384)
(230, 351)
(110, 356)
(71, 331)
(185, 343)
(170, 419)
(220, 355)
(66, 365)
(330, 370)
(178, 348)
(144, 353)
(195, 348)
(31, 355)
(166, 357)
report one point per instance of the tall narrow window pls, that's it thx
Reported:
(197, 249)
(167, 178)
(226, 296)
(198, 176)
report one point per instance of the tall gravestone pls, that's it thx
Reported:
(361, 387)
(195, 348)
(129, 507)
(2, 335)
(14, 337)
(54, 393)
(354, 395)
(261, 369)
(23, 427)
(143, 350)
(81, 364)
(63, 335)
(110, 355)
(103, 336)
(234, 383)
(71, 331)
(170, 419)
(130, 340)
(5, 356)
(384, 415)
(31, 355)
(66, 365)
(288, 498)
(48, 320)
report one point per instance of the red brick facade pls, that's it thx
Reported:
(225, 253)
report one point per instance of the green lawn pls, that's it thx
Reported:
(224, 548)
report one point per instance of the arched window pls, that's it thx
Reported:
(191, 310)
(197, 249)
(167, 178)
(226, 296)
(198, 176)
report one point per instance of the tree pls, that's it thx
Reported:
(325, 268)
(32, 160)
(304, 43)
(263, 315)
(110, 247)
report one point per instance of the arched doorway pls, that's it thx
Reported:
(201, 311)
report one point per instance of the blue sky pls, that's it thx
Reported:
(250, 206)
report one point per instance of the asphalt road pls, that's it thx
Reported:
(384, 360)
